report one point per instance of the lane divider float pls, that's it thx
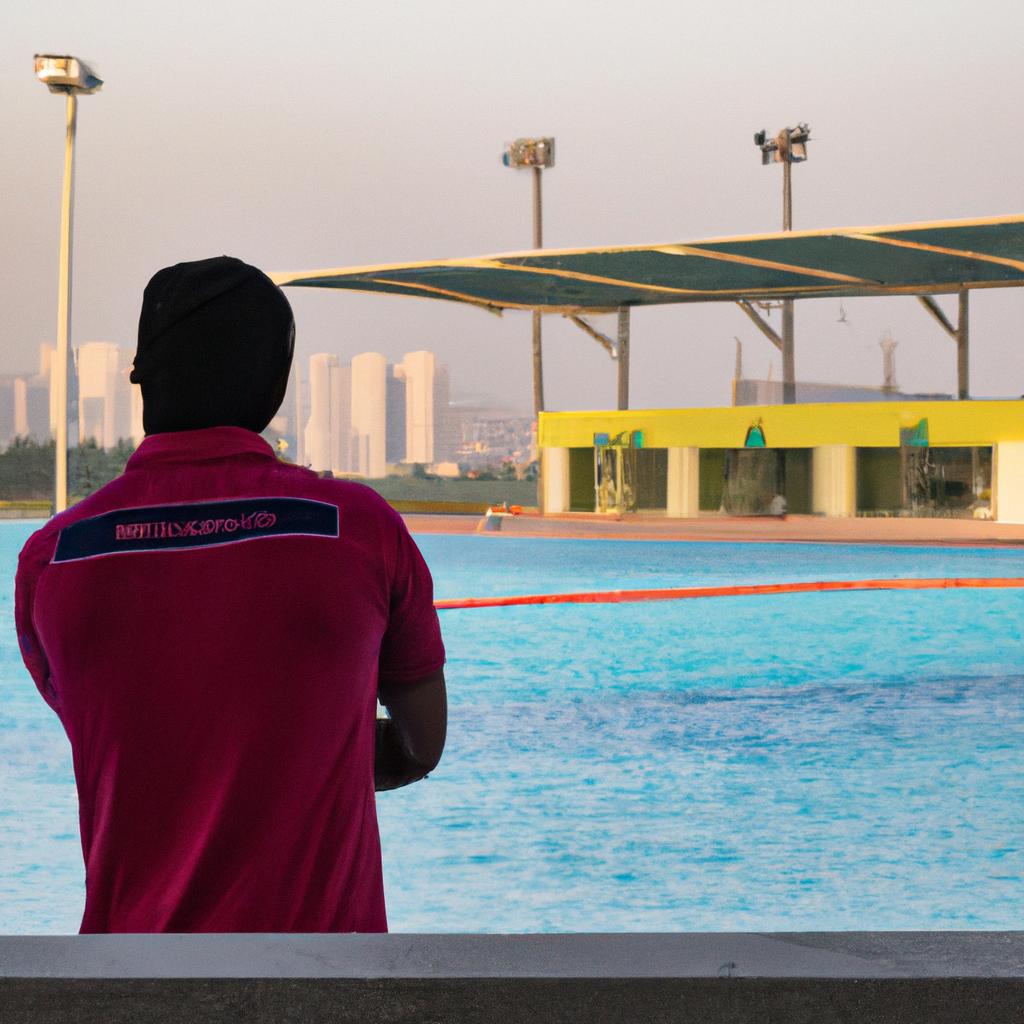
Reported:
(745, 590)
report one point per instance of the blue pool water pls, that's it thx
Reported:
(806, 761)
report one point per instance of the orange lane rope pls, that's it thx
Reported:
(749, 590)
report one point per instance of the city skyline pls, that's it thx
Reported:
(368, 415)
(421, 423)
(104, 406)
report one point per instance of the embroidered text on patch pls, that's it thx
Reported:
(194, 527)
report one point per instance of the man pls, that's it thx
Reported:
(214, 628)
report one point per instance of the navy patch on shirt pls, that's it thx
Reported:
(203, 524)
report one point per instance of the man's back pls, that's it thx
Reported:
(209, 628)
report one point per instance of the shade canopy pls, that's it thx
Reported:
(903, 259)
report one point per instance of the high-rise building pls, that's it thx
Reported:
(328, 434)
(429, 434)
(418, 370)
(32, 418)
(32, 413)
(136, 430)
(396, 415)
(8, 403)
(103, 397)
(47, 357)
(369, 415)
(317, 441)
(446, 427)
(341, 419)
(297, 418)
(24, 408)
(111, 406)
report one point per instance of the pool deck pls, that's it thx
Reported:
(792, 529)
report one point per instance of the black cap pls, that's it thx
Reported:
(215, 346)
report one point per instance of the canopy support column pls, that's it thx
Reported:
(788, 357)
(623, 351)
(963, 347)
(960, 334)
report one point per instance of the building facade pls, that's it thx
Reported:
(959, 458)
(419, 371)
(100, 414)
(396, 416)
(327, 435)
(369, 415)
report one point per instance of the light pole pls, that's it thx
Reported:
(535, 154)
(71, 76)
(788, 147)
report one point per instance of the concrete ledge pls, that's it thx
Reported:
(792, 977)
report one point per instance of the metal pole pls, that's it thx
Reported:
(788, 360)
(623, 357)
(60, 367)
(963, 337)
(538, 242)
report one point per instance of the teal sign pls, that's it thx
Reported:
(755, 436)
(915, 437)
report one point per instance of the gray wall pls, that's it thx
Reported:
(904, 977)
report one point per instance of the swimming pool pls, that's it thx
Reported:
(794, 762)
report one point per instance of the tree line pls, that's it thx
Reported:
(27, 468)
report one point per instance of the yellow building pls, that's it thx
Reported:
(892, 457)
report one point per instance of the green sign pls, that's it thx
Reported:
(915, 437)
(755, 436)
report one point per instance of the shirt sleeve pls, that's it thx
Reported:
(33, 559)
(412, 647)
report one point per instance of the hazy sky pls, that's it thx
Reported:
(315, 134)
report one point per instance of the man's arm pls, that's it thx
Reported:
(410, 742)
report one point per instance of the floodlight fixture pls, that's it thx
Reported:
(529, 153)
(789, 146)
(64, 73)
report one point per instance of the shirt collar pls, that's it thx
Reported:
(196, 445)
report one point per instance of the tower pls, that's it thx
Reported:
(318, 427)
(98, 378)
(369, 415)
(419, 371)
(396, 414)
(445, 434)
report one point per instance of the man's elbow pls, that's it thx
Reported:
(428, 759)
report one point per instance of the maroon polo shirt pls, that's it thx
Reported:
(211, 627)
